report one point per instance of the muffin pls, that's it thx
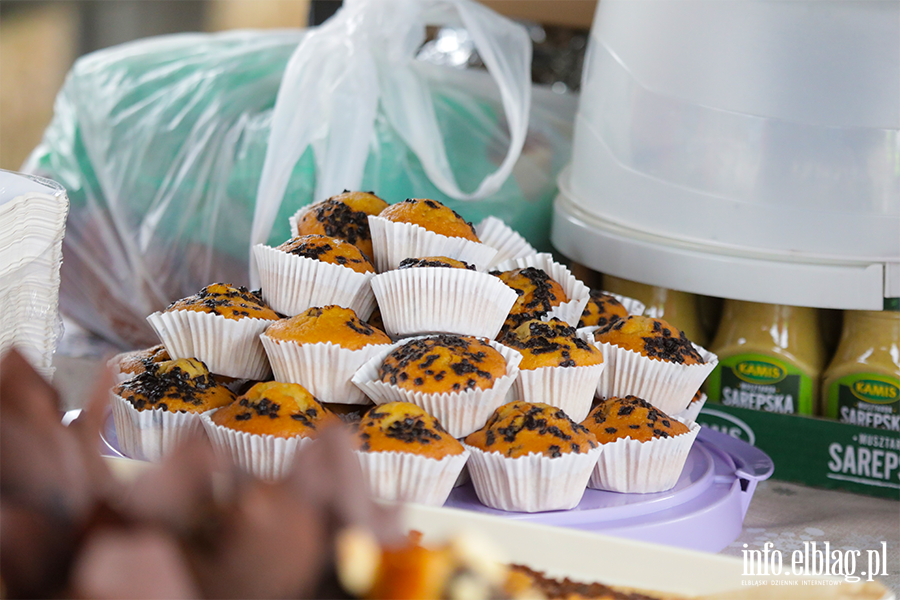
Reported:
(458, 379)
(559, 367)
(321, 349)
(602, 309)
(644, 449)
(328, 250)
(531, 457)
(159, 408)
(128, 364)
(315, 270)
(262, 430)
(220, 325)
(537, 295)
(650, 359)
(344, 216)
(430, 215)
(439, 294)
(653, 338)
(443, 363)
(421, 227)
(406, 454)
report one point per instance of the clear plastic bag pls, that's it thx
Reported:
(161, 144)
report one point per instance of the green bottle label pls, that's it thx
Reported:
(762, 383)
(865, 399)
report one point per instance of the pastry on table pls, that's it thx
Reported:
(430, 215)
(653, 338)
(602, 309)
(344, 216)
(537, 294)
(406, 454)
(128, 364)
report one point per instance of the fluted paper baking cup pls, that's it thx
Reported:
(568, 388)
(495, 233)
(442, 300)
(461, 412)
(408, 477)
(295, 218)
(577, 293)
(264, 456)
(634, 467)
(531, 483)
(632, 305)
(690, 414)
(291, 284)
(324, 369)
(151, 434)
(392, 242)
(226, 346)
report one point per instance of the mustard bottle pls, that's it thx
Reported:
(770, 358)
(862, 383)
(678, 308)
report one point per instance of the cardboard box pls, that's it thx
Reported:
(816, 452)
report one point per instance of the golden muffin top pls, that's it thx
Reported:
(345, 217)
(329, 250)
(273, 408)
(330, 323)
(443, 363)
(601, 310)
(226, 301)
(633, 417)
(435, 261)
(183, 385)
(139, 361)
(550, 344)
(653, 338)
(432, 215)
(520, 428)
(405, 427)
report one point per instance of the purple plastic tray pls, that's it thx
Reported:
(704, 511)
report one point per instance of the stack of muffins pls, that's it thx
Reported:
(473, 348)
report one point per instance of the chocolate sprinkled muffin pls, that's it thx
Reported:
(405, 427)
(633, 417)
(601, 310)
(183, 385)
(329, 250)
(550, 344)
(538, 294)
(345, 217)
(443, 363)
(274, 408)
(435, 261)
(520, 428)
(227, 301)
(138, 361)
(330, 323)
(432, 215)
(653, 338)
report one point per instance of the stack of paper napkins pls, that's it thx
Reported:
(32, 225)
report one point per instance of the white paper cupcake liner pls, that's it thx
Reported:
(408, 477)
(495, 233)
(226, 346)
(568, 388)
(442, 300)
(577, 293)
(392, 242)
(264, 456)
(690, 414)
(291, 284)
(295, 218)
(151, 434)
(634, 467)
(632, 305)
(324, 369)
(667, 386)
(460, 413)
(531, 483)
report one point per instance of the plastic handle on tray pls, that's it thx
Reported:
(752, 465)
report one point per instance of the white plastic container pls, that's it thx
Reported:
(741, 149)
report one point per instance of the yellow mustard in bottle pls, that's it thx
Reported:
(770, 358)
(678, 308)
(862, 383)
